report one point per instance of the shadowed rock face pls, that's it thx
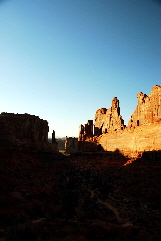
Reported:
(71, 144)
(86, 131)
(23, 131)
(23, 126)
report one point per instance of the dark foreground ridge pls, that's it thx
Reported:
(85, 197)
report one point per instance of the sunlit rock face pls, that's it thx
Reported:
(133, 142)
(143, 132)
(107, 120)
(23, 131)
(148, 109)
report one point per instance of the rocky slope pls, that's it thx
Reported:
(46, 197)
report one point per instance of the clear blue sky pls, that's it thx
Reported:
(63, 59)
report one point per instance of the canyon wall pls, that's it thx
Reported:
(132, 142)
(73, 145)
(107, 120)
(86, 131)
(148, 109)
(143, 132)
(24, 131)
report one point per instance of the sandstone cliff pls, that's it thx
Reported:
(133, 141)
(107, 120)
(24, 131)
(86, 131)
(143, 132)
(148, 109)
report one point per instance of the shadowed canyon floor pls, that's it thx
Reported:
(87, 197)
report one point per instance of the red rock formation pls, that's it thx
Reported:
(131, 142)
(23, 131)
(71, 144)
(53, 137)
(148, 109)
(107, 120)
(86, 131)
(143, 132)
(81, 133)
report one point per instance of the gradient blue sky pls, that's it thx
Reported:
(63, 59)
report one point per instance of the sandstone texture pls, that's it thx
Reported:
(24, 131)
(133, 142)
(143, 132)
(107, 120)
(148, 109)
